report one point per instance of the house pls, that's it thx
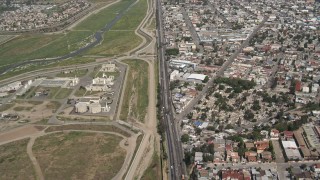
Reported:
(232, 174)
(266, 156)
(203, 174)
(317, 168)
(251, 156)
(274, 134)
(198, 158)
(303, 176)
(249, 145)
(233, 156)
(261, 146)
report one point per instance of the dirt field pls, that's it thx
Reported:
(15, 162)
(19, 132)
(87, 127)
(28, 111)
(79, 155)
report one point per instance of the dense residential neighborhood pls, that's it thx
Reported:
(24, 16)
(258, 62)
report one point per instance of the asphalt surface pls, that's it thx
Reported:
(175, 153)
(98, 39)
(192, 30)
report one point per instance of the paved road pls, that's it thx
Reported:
(194, 34)
(220, 15)
(175, 153)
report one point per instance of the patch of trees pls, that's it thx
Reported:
(172, 52)
(237, 84)
(291, 126)
(248, 115)
(185, 138)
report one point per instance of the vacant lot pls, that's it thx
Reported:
(15, 162)
(88, 127)
(63, 93)
(135, 100)
(79, 155)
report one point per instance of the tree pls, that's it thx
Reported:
(248, 115)
(206, 79)
(172, 52)
(185, 138)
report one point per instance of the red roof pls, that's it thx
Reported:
(298, 86)
(232, 174)
(288, 133)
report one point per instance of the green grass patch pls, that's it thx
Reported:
(136, 91)
(73, 73)
(63, 93)
(97, 21)
(22, 108)
(67, 62)
(132, 19)
(122, 37)
(54, 105)
(28, 47)
(15, 162)
(88, 127)
(116, 42)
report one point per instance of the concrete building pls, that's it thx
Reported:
(291, 150)
(94, 108)
(81, 107)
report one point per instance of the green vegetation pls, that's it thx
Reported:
(136, 91)
(15, 162)
(237, 84)
(97, 21)
(5, 107)
(88, 127)
(4, 38)
(69, 62)
(44, 46)
(138, 142)
(132, 19)
(39, 46)
(52, 91)
(77, 73)
(116, 42)
(54, 105)
(185, 138)
(82, 92)
(79, 155)
(153, 172)
(63, 93)
(22, 108)
(172, 52)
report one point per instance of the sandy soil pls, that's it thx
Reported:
(19, 133)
